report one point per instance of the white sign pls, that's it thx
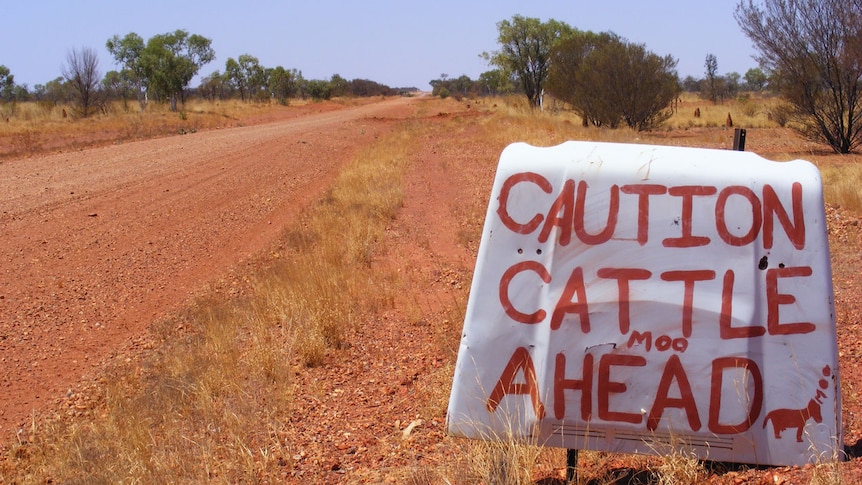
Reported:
(640, 299)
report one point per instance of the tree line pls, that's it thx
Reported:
(161, 69)
(810, 54)
(604, 78)
(718, 88)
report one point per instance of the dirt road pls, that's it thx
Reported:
(97, 244)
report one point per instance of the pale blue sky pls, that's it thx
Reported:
(397, 43)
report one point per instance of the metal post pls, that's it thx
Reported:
(571, 465)
(739, 139)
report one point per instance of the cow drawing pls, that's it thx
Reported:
(783, 419)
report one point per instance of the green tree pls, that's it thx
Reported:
(7, 84)
(57, 91)
(691, 85)
(459, 87)
(247, 75)
(283, 83)
(116, 84)
(366, 87)
(215, 86)
(340, 86)
(170, 61)
(731, 85)
(755, 79)
(609, 81)
(127, 52)
(525, 48)
(463, 86)
(813, 49)
(495, 82)
(316, 88)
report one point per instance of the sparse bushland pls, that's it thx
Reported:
(610, 81)
(42, 127)
(211, 399)
(811, 48)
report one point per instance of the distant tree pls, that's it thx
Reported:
(215, 86)
(170, 61)
(317, 89)
(712, 81)
(7, 84)
(525, 47)
(691, 85)
(366, 87)
(247, 75)
(116, 84)
(82, 74)
(458, 88)
(609, 81)
(127, 52)
(569, 80)
(755, 79)
(495, 82)
(234, 76)
(463, 86)
(438, 88)
(731, 85)
(57, 91)
(339, 85)
(20, 93)
(813, 48)
(283, 83)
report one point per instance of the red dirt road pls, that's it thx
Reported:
(97, 244)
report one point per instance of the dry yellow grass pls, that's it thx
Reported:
(314, 290)
(841, 185)
(746, 111)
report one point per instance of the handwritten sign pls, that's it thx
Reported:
(641, 298)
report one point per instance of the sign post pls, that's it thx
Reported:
(642, 299)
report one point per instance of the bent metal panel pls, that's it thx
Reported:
(642, 299)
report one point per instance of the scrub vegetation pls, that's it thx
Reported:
(214, 398)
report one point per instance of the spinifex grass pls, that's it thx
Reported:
(212, 402)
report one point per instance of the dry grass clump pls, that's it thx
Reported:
(207, 405)
(746, 111)
(841, 185)
(680, 467)
(504, 460)
(513, 120)
(827, 473)
(317, 290)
